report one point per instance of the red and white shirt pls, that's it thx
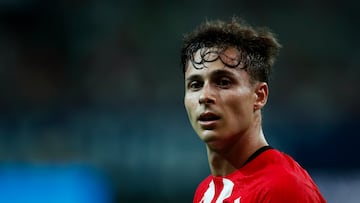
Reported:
(271, 177)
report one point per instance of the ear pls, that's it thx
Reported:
(261, 94)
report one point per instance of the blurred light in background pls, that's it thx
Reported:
(53, 183)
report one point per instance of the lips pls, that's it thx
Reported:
(208, 116)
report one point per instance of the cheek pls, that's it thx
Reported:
(239, 105)
(189, 105)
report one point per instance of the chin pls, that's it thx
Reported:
(209, 136)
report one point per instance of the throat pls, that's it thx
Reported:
(221, 165)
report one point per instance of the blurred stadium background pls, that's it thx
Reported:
(91, 97)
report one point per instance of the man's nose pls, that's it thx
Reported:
(207, 95)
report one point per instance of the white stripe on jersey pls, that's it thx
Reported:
(225, 192)
(209, 194)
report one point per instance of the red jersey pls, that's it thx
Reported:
(271, 176)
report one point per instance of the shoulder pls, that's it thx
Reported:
(291, 189)
(288, 170)
(287, 181)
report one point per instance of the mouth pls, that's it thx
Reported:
(208, 117)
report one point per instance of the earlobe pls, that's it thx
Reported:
(262, 93)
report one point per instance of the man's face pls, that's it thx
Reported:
(219, 101)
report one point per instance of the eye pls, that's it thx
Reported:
(194, 85)
(224, 82)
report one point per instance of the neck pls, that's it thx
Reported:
(224, 161)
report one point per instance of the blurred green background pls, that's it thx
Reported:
(99, 84)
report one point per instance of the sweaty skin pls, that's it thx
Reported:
(224, 109)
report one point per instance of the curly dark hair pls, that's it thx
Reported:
(257, 47)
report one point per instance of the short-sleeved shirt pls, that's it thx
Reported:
(272, 176)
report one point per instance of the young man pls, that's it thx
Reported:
(226, 67)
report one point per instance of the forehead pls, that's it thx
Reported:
(211, 59)
(230, 51)
(229, 56)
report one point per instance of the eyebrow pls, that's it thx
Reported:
(193, 77)
(223, 73)
(215, 73)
